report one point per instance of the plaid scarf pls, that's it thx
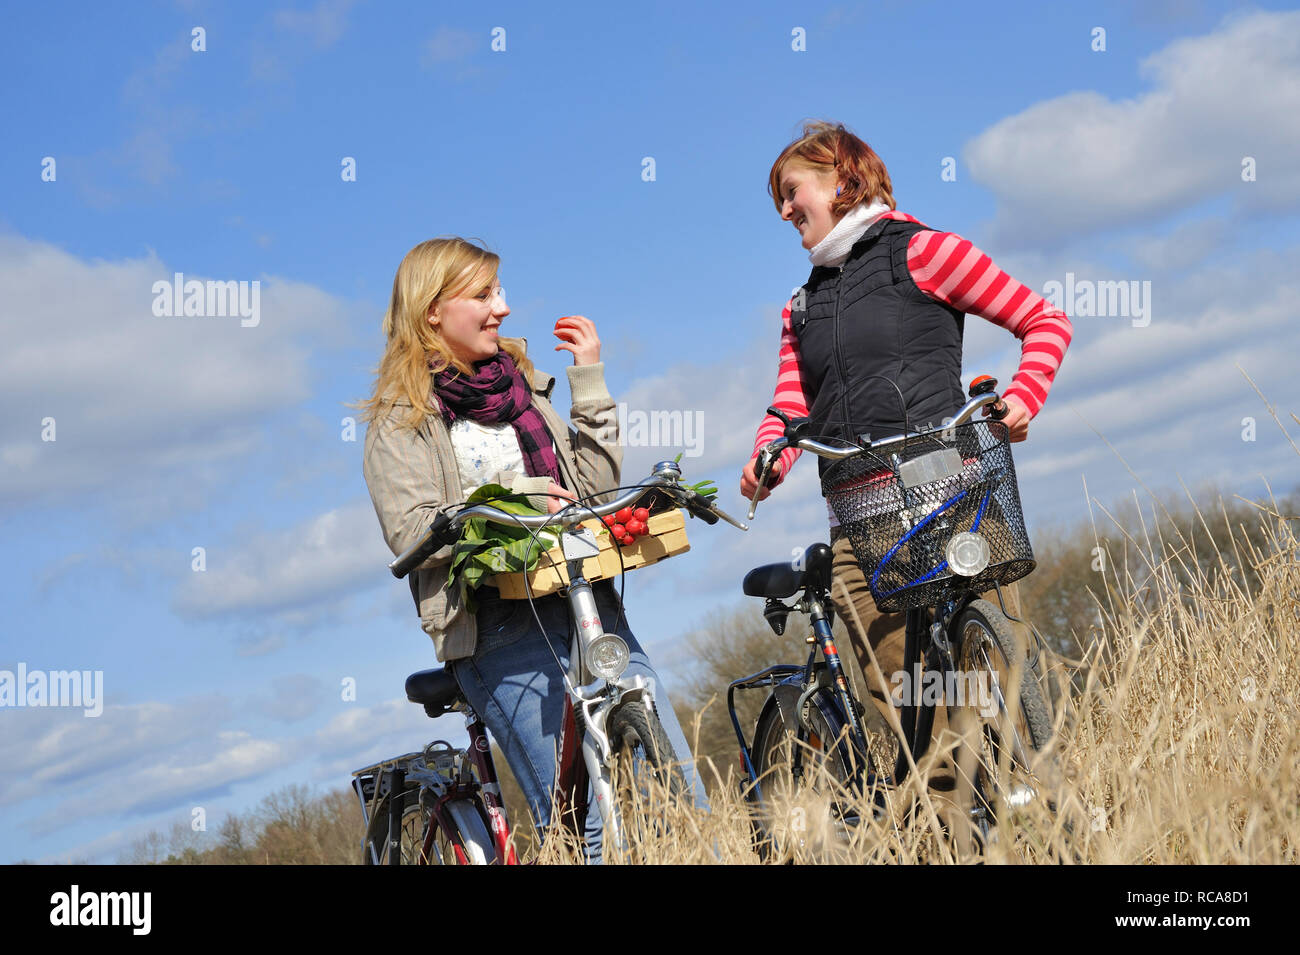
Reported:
(497, 393)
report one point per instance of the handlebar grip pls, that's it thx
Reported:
(999, 411)
(780, 415)
(438, 535)
(701, 507)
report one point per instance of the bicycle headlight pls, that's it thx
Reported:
(967, 554)
(607, 656)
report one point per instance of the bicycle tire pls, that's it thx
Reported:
(636, 735)
(779, 819)
(635, 729)
(470, 832)
(984, 642)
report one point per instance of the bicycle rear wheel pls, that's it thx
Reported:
(1004, 761)
(467, 844)
(794, 814)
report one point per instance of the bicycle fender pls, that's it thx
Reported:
(830, 710)
(473, 831)
(787, 702)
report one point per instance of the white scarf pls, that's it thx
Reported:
(834, 249)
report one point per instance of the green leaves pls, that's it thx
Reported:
(704, 488)
(486, 547)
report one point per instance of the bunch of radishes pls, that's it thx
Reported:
(627, 525)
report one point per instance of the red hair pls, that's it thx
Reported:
(830, 148)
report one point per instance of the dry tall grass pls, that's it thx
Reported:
(1177, 734)
(1176, 738)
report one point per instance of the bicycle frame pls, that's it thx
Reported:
(437, 775)
(830, 694)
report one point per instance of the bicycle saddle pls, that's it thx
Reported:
(436, 689)
(785, 579)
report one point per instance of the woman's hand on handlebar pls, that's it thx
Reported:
(749, 479)
(1016, 419)
(558, 498)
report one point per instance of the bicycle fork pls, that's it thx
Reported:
(595, 698)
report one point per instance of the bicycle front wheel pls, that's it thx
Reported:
(1004, 722)
(647, 776)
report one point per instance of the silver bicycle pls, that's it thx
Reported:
(443, 805)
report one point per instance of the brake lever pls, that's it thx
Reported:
(728, 518)
(766, 458)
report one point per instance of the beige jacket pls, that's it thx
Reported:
(412, 474)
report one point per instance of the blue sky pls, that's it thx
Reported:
(171, 434)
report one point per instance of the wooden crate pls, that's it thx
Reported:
(665, 535)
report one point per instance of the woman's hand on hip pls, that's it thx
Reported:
(749, 480)
(1017, 418)
(577, 334)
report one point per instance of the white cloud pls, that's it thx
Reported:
(154, 759)
(292, 697)
(1183, 247)
(323, 24)
(323, 559)
(47, 750)
(152, 409)
(449, 45)
(1169, 397)
(1083, 162)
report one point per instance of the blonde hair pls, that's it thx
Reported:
(433, 271)
(830, 149)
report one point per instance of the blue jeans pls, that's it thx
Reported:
(515, 685)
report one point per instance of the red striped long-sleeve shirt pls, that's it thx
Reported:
(951, 270)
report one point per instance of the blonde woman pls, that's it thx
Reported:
(457, 406)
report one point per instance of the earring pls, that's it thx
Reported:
(837, 192)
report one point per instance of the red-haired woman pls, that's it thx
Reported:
(884, 306)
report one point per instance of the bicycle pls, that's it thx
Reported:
(934, 520)
(443, 805)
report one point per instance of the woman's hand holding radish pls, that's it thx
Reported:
(577, 334)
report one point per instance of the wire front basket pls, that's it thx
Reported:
(900, 511)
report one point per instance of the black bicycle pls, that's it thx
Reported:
(934, 520)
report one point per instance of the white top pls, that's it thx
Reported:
(484, 448)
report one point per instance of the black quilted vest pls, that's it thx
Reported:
(869, 318)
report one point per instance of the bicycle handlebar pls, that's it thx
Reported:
(981, 391)
(665, 476)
